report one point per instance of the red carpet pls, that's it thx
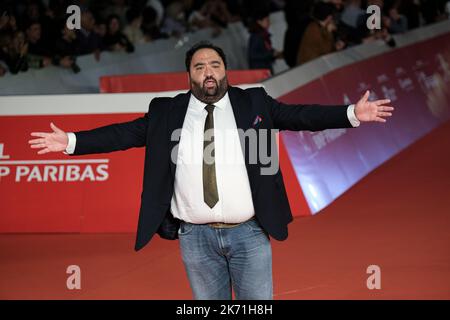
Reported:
(398, 218)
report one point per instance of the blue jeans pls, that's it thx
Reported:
(218, 259)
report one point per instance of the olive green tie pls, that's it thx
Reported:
(210, 194)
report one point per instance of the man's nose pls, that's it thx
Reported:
(208, 71)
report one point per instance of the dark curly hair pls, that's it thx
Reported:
(203, 45)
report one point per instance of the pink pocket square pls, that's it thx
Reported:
(257, 120)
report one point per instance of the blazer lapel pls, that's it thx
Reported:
(241, 106)
(243, 114)
(176, 117)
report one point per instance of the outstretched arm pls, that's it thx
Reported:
(320, 117)
(119, 136)
(114, 137)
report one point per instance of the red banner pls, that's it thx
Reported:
(171, 81)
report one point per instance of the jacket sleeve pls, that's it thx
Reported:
(296, 117)
(114, 137)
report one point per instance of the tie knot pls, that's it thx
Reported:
(210, 108)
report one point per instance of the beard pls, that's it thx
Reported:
(210, 95)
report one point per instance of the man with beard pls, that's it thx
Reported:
(223, 212)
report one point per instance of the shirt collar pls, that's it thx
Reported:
(199, 106)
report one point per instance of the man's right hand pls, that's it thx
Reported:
(55, 141)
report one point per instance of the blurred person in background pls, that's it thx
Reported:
(175, 23)
(261, 54)
(393, 20)
(100, 28)
(351, 13)
(159, 10)
(318, 38)
(150, 26)
(117, 8)
(217, 12)
(133, 29)
(35, 11)
(114, 39)
(13, 51)
(348, 25)
(89, 40)
(8, 22)
(212, 14)
(39, 54)
(67, 48)
(298, 16)
(234, 9)
(338, 9)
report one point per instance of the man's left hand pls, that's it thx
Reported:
(372, 110)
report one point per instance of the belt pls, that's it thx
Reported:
(219, 225)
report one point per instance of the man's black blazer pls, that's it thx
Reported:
(154, 131)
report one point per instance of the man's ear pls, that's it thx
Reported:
(189, 78)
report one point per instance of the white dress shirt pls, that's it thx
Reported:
(235, 203)
(235, 198)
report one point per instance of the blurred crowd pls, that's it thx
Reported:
(319, 27)
(34, 33)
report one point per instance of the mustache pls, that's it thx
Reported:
(210, 78)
